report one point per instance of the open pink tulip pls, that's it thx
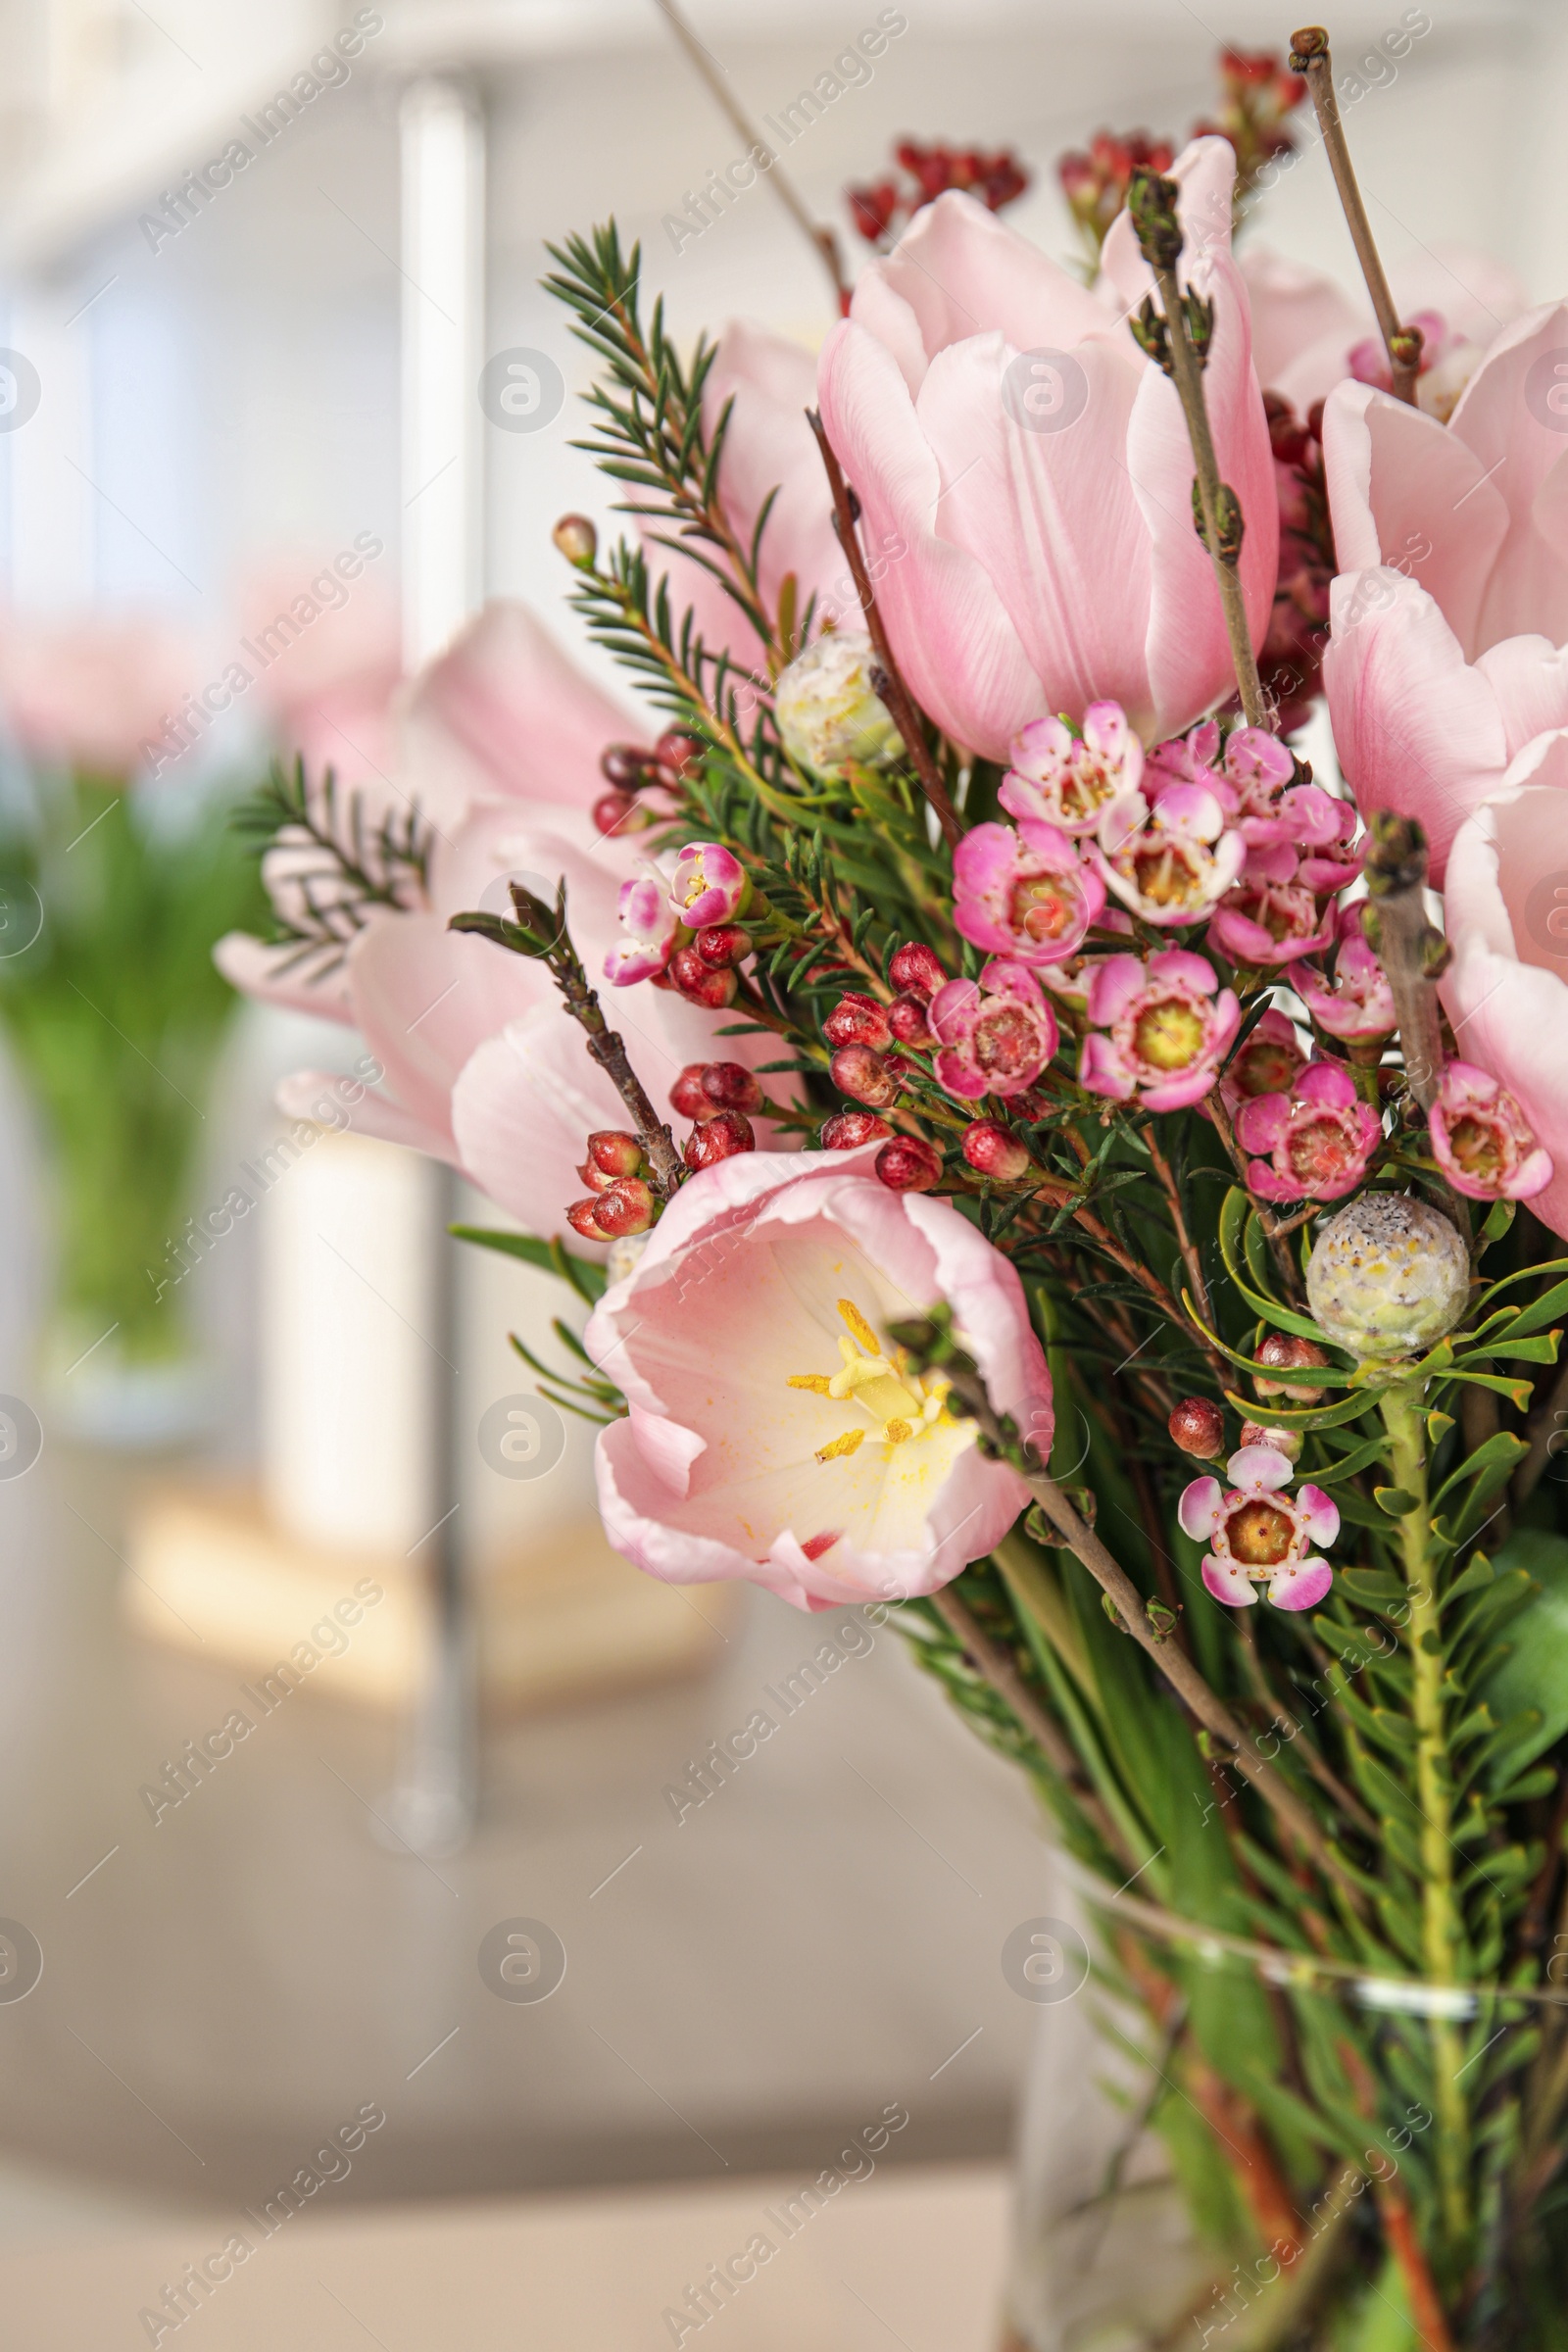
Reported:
(1506, 991)
(1161, 1031)
(1000, 420)
(1023, 894)
(1317, 1139)
(996, 1034)
(1258, 1535)
(775, 1434)
(1450, 645)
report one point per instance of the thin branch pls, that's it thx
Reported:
(825, 244)
(1407, 944)
(1310, 55)
(895, 693)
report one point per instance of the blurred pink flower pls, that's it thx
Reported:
(1449, 645)
(333, 658)
(810, 1458)
(1505, 904)
(1315, 1141)
(1306, 328)
(1051, 563)
(1161, 1030)
(1258, 1535)
(93, 693)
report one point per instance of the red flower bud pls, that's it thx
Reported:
(723, 943)
(615, 811)
(595, 1178)
(688, 1097)
(576, 538)
(628, 1206)
(681, 754)
(617, 1152)
(863, 1075)
(719, 1138)
(847, 1130)
(583, 1217)
(1198, 1426)
(729, 1087)
(626, 765)
(908, 1022)
(916, 969)
(990, 1150)
(857, 1020)
(1283, 1441)
(700, 983)
(1290, 1353)
(908, 1165)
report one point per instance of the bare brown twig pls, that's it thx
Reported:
(1310, 55)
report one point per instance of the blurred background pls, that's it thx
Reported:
(209, 394)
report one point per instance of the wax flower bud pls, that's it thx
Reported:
(863, 1075)
(1284, 1441)
(708, 885)
(907, 1164)
(1289, 1353)
(1198, 1426)
(613, 1152)
(858, 1020)
(577, 539)
(583, 1217)
(699, 983)
(907, 1021)
(729, 1087)
(719, 1138)
(618, 813)
(828, 710)
(991, 1150)
(723, 943)
(1387, 1275)
(847, 1130)
(679, 753)
(627, 766)
(628, 1206)
(917, 970)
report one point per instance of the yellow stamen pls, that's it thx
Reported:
(849, 1443)
(817, 1382)
(860, 1328)
(897, 1430)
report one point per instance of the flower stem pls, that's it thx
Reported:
(1310, 55)
(1396, 880)
(1401, 1408)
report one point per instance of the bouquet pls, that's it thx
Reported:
(1112, 1218)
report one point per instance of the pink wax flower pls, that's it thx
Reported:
(999, 419)
(1171, 862)
(1357, 1004)
(648, 929)
(1329, 866)
(1449, 645)
(1160, 1029)
(1023, 894)
(810, 1457)
(707, 885)
(1267, 1063)
(1190, 758)
(1258, 1535)
(1318, 1138)
(1507, 914)
(997, 1034)
(1063, 779)
(1482, 1140)
(1272, 916)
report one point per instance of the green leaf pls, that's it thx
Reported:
(1232, 1229)
(1395, 1501)
(1534, 1674)
(1503, 1450)
(589, 1280)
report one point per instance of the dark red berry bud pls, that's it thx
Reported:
(628, 1206)
(612, 812)
(681, 754)
(992, 1151)
(917, 969)
(908, 1165)
(1290, 1355)
(857, 1020)
(729, 1087)
(863, 1075)
(908, 1022)
(1198, 1427)
(688, 1097)
(847, 1130)
(719, 1138)
(617, 1152)
(583, 1217)
(625, 765)
(723, 943)
(702, 983)
(595, 1178)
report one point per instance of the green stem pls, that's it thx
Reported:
(1401, 1409)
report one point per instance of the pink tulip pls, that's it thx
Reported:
(94, 693)
(1506, 990)
(808, 1457)
(1306, 328)
(999, 420)
(1450, 647)
(1317, 1139)
(1024, 893)
(1160, 1029)
(769, 447)
(1258, 1535)
(996, 1035)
